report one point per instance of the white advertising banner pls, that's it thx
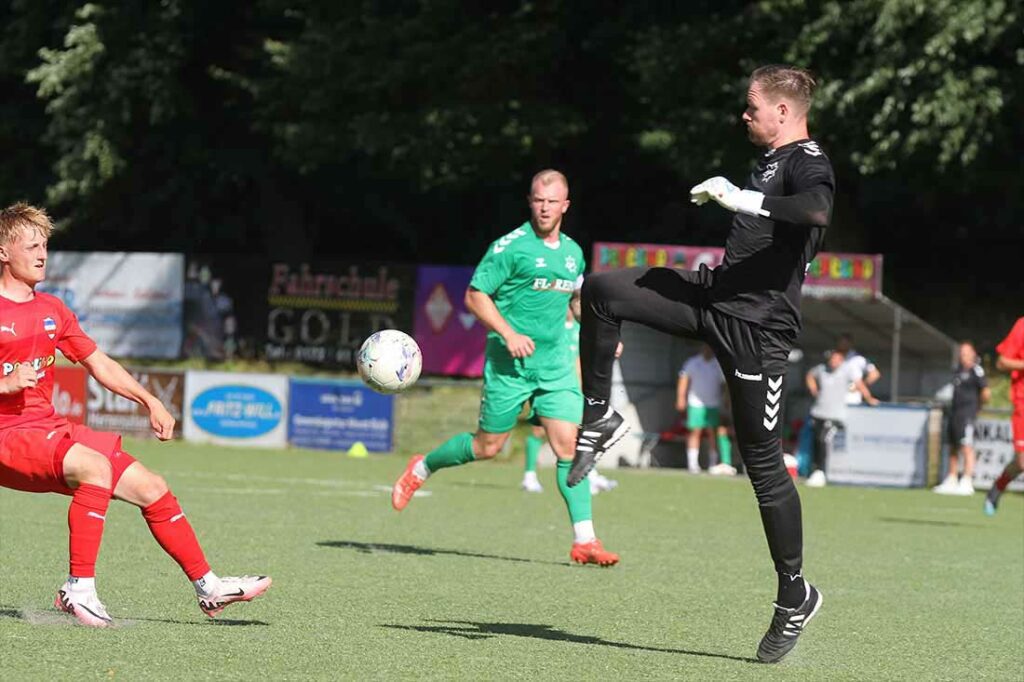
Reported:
(884, 445)
(236, 409)
(130, 303)
(993, 443)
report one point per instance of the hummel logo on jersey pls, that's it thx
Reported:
(504, 241)
(769, 171)
(570, 264)
(810, 148)
(541, 263)
(9, 330)
(747, 377)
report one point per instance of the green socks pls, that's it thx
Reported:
(451, 453)
(533, 445)
(577, 499)
(725, 448)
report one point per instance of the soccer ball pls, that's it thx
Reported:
(389, 361)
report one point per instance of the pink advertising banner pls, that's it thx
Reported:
(830, 275)
(451, 338)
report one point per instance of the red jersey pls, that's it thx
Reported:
(1012, 348)
(32, 332)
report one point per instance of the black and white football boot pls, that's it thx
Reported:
(786, 627)
(592, 441)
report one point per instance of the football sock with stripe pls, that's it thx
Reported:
(86, 516)
(453, 452)
(173, 532)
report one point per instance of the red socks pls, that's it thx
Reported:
(86, 516)
(1009, 473)
(171, 529)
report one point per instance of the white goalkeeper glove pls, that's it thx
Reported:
(737, 200)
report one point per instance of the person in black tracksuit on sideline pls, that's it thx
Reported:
(748, 309)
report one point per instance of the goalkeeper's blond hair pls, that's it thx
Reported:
(792, 82)
(20, 216)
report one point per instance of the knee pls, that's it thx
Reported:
(769, 478)
(83, 465)
(149, 488)
(487, 448)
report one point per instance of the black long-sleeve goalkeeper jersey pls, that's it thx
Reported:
(766, 257)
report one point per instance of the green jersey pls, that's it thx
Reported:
(531, 283)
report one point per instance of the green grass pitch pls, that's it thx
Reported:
(472, 581)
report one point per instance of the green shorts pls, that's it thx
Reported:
(508, 385)
(701, 417)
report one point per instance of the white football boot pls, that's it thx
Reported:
(949, 486)
(530, 483)
(817, 479)
(722, 469)
(965, 487)
(599, 483)
(85, 605)
(229, 590)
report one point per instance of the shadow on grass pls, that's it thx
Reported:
(218, 622)
(472, 631)
(373, 547)
(55, 617)
(928, 522)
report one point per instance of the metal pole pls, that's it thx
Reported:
(894, 381)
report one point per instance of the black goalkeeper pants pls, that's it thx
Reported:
(753, 359)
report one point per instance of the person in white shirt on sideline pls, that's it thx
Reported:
(866, 369)
(699, 393)
(828, 383)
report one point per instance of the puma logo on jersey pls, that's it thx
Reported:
(9, 330)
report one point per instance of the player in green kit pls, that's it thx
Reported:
(521, 291)
(535, 439)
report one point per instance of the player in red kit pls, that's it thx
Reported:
(42, 452)
(1011, 359)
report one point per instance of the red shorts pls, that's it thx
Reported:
(32, 455)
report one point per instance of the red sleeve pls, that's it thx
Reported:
(74, 343)
(1012, 346)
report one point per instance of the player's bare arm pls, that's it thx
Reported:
(24, 376)
(682, 388)
(812, 384)
(1006, 364)
(864, 391)
(116, 379)
(575, 306)
(482, 305)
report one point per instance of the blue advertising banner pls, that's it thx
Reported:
(332, 415)
(236, 408)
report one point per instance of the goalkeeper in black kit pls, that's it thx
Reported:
(747, 309)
